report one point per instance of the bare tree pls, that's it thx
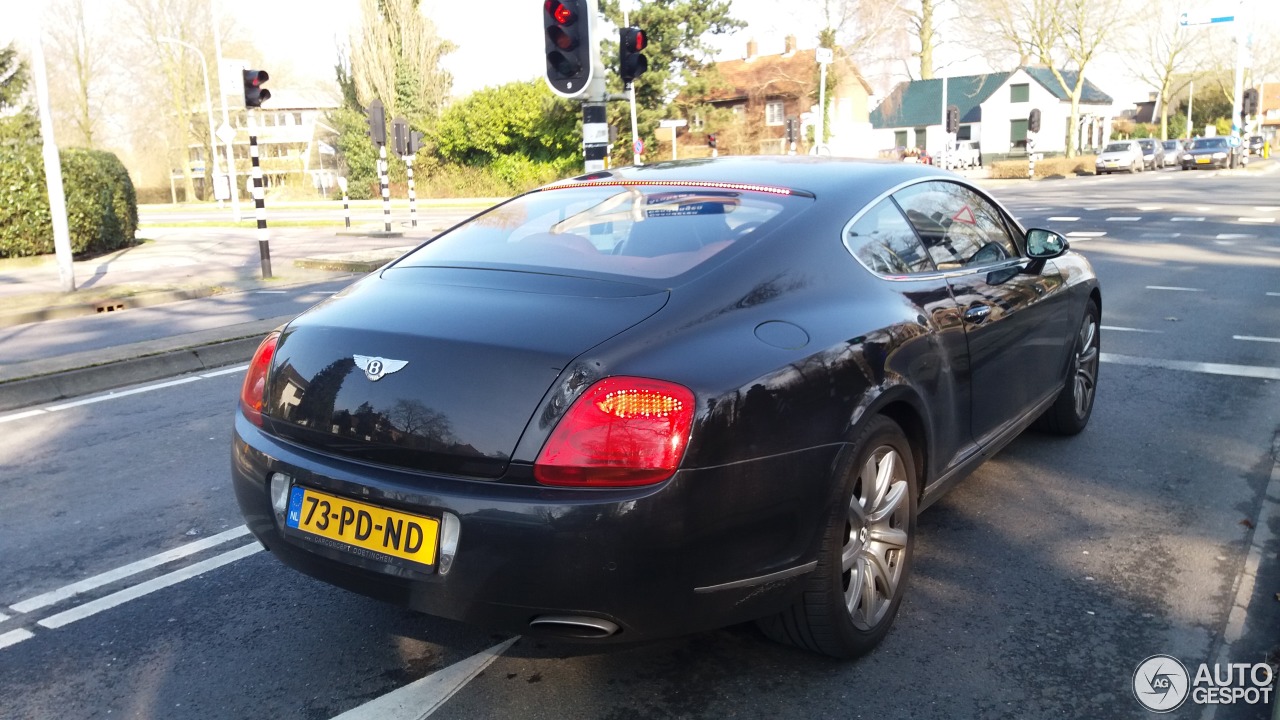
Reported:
(1164, 54)
(395, 57)
(80, 61)
(1063, 35)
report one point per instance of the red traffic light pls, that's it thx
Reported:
(631, 62)
(254, 93)
(560, 12)
(637, 40)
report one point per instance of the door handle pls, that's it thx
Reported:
(977, 314)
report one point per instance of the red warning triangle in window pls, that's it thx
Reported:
(965, 216)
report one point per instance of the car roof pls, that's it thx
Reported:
(850, 178)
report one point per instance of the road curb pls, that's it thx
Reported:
(106, 305)
(100, 378)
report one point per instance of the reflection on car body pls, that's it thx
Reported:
(653, 401)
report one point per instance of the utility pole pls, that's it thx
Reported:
(52, 166)
(229, 135)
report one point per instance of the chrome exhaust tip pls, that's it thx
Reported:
(574, 626)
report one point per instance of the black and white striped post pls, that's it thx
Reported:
(383, 169)
(260, 205)
(413, 198)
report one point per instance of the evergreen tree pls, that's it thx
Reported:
(18, 120)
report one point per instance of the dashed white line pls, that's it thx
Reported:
(1255, 338)
(1186, 219)
(1235, 236)
(93, 607)
(1150, 208)
(270, 292)
(1124, 218)
(1176, 289)
(1129, 329)
(1160, 235)
(1063, 218)
(1275, 294)
(1247, 371)
(1266, 208)
(1256, 219)
(420, 698)
(3, 617)
(1086, 234)
(13, 637)
(56, 596)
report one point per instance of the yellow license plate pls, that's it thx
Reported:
(367, 530)
(1204, 161)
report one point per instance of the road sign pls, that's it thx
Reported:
(823, 55)
(638, 146)
(1203, 18)
(673, 123)
(226, 133)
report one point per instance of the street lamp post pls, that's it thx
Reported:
(208, 104)
(222, 98)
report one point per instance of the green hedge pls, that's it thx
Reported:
(102, 206)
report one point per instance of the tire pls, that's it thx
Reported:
(1070, 413)
(869, 535)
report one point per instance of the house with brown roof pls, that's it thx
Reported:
(764, 91)
(1269, 111)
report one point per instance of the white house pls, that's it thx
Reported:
(993, 111)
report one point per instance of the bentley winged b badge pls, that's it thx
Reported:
(375, 367)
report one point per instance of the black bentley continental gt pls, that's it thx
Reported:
(661, 400)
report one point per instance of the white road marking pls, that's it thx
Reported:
(1271, 294)
(1149, 208)
(421, 698)
(1235, 236)
(1186, 219)
(226, 371)
(1265, 208)
(21, 416)
(56, 596)
(1255, 338)
(122, 393)
(1256, 219)
(1064, 218)
(1262, 537)
(1161, 235)
(1129, 329)
(1085, 234)
(94, 607)
(1201, 208)
(3, 617)
(13, 637)
(1168, 287)
(1124, 218)
(1247, 371)
(270, 292)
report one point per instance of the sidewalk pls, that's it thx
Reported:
(183, 300)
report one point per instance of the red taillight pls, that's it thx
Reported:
(253, 392)
(623, 431)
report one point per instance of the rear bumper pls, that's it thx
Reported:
(655, 561)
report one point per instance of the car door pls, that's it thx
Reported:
(1013, 309)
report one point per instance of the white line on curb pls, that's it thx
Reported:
(21, 416)
(56, 596)
(420, 698)
(94, 607)
(123, 393)
(226, 371)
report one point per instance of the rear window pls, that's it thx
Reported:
(646, 231)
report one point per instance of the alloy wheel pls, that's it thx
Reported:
(1086, 365)
(874, 552)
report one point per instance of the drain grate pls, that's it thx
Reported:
(109, 307)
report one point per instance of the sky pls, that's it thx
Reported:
(500, 40)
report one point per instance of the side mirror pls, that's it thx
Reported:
(1045, 244)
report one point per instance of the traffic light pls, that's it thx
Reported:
(953, 119)
(711, 141)
(792, 130)
(1033, 121)
(1249, 102)
(415, 142)
(254, 93)
(400, 136)
(566, 28)
(631, 60)
(377, 118)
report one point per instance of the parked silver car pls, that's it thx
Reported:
(1173, 151)
(1120, 156)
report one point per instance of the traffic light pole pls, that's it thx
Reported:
(595, 135)
(635, 136)
(259, 202)
(413, 198)
(383, 169)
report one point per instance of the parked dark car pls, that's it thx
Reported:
(1152, 153)
(1211, 152)
(1255, 143)
(654, 401)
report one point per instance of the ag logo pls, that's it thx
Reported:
(1161, 683)
(375, 367)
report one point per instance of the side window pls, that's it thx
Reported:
(884, 242)
(957, 226)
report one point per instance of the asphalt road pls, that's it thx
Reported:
(1040, 582)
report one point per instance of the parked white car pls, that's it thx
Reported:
(964, 154)
(1120, 156)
